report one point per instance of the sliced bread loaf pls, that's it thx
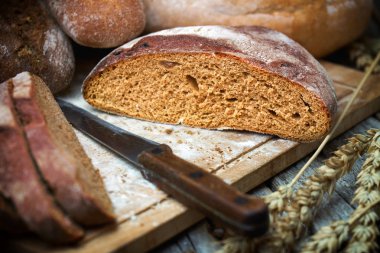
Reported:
(63, 164)
(246, 78)
(21, 183)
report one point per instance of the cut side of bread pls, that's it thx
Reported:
(64, 165)
(20, 181)
(246, 78)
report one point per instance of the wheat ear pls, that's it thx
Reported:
(365, 230)
(288, 217)
(362, 224)
(306, 199)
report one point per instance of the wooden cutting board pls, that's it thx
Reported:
(146, 216)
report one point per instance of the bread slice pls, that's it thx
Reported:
(246, 78)
(63, 164)
(21, 183)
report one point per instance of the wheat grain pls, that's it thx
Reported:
(328, 238)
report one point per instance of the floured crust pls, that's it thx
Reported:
(99, 24)
(259, 48)
(320, 26)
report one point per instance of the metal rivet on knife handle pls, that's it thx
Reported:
(197, 188)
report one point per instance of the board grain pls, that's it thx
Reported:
(146, 216)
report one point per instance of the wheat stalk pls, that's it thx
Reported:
(289, 215)
(362, 223)
(365, 231)
(331, 238)
(299, 213)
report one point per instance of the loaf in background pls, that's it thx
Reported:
(99, 24)
(246, 78)
(320, 26)
(30, 40)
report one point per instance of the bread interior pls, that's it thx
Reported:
(208, 91)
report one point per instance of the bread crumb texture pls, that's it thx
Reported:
(213, 83)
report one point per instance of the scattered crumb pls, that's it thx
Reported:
(219, 150)
(148, 128)
(168, 131)
(179, 141)
(189, 132)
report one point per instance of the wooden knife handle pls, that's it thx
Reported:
(201, 190)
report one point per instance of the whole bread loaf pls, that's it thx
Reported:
(21, 183)
(99, 24)
(318, 25)
(62, 162)
(246, 78)
(30, 40)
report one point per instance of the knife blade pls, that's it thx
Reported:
(187, 183)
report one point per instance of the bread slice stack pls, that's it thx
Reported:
(45, 175)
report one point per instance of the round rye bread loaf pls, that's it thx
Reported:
(245, 78)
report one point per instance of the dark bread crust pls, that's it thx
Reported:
(263, 49)
(20, 182)
(31, 41)
(61, 170)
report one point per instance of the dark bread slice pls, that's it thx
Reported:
(244, 78)
(32, 41)
(63, 164)
(10, 221)
(21, 183)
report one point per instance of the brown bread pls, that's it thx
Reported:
(21, 183)
(63, 164)
(247, 78)
(99, 24)
(30, 40)
(318, 25)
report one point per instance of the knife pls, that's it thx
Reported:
(186, 182)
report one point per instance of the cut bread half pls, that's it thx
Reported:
(20, 181)
(246, 78)
(64, 165)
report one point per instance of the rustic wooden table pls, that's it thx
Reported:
(198, 239)
(147, 217)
